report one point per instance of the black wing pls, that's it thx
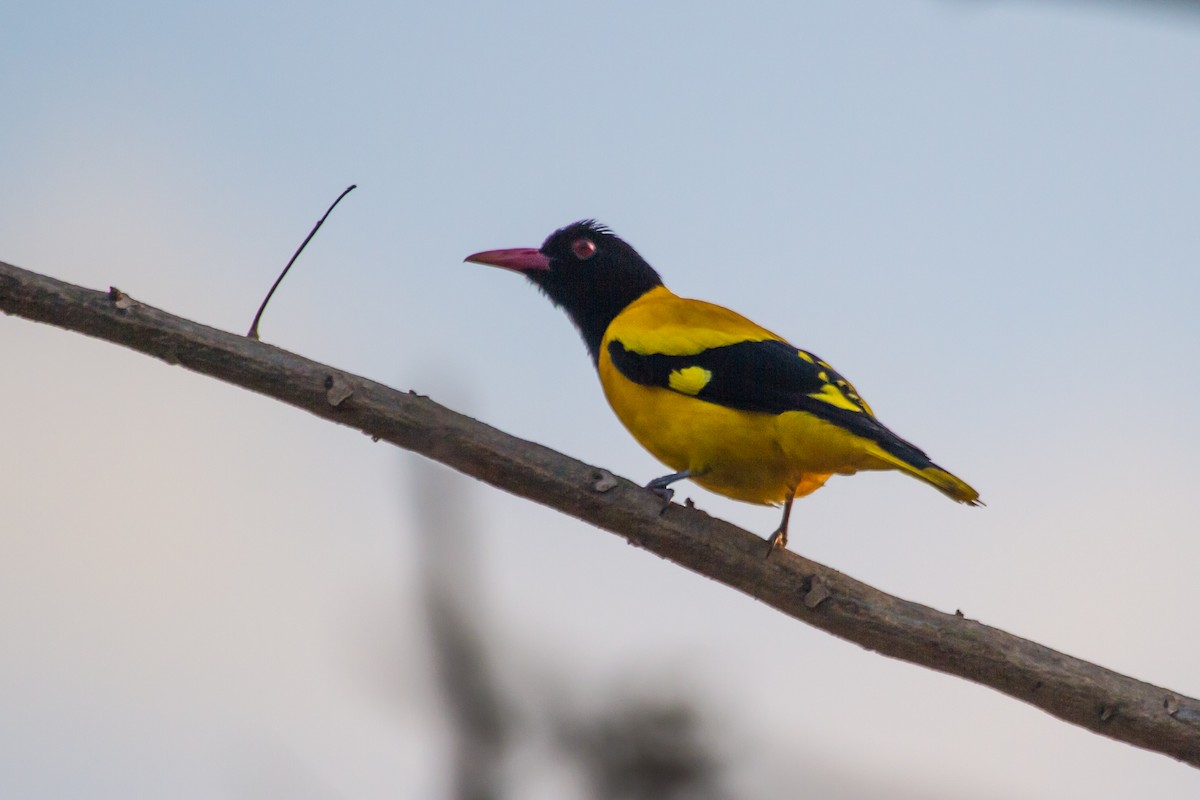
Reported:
(768, 377)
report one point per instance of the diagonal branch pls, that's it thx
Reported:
(1071, 689)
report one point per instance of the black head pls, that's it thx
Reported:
(587, 270)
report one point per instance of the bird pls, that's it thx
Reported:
(715, 397)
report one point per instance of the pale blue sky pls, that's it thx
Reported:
(983, 214)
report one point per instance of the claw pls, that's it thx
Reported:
(666, 493)
(778, 539)
(661, 487)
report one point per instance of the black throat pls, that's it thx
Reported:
(593, 305)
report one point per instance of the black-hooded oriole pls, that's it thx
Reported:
(712, 395)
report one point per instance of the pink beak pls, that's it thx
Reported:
(519, 259)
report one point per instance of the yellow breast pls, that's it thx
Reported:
(750, 456)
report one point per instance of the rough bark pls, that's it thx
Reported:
(1071, 689)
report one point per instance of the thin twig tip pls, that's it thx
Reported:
(253, 332)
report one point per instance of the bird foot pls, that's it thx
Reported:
(665, 493)
(661, 487)
(777, 540)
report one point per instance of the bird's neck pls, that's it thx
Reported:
(593, 301)
(593, 316)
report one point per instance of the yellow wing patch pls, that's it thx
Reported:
(833, 396)
(689, 380)
(837, 391)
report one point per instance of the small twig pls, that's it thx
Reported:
(253, 332)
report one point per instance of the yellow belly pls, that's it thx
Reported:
(758, 458)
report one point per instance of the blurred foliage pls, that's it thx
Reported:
(631, 750)
(646, 751)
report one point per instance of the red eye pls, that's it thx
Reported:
(583, 249)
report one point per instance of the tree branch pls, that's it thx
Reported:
(1073, 690)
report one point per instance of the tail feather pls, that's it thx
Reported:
(950, 485)
(925, 470)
